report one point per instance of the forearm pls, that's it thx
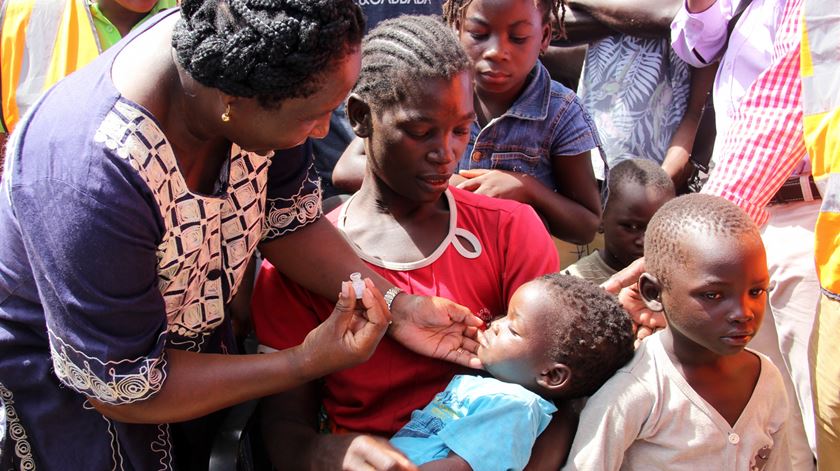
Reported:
(452, 462)
(646, 18)
(231, 378)
(319, 245)
(567, 219)
(552, 446)
(676, 162)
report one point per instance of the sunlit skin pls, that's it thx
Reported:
(625, 220)
(400, 213)
(504, 38)
(714, 306)
(715, 303)
(258, 128)
(514, 347)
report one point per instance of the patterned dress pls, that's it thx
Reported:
(636, 90)
(107, 258)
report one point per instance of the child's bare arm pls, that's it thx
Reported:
(350, 169)
(452, 462)
(572, 214)
(552, 446)
(676, 162)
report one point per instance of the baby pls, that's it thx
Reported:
(562, 338)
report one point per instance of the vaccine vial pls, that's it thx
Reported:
(358, 284)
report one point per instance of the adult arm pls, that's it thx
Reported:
(349, 171)
(765, 141)
(347, 338)
(573, 213)
(646, 18)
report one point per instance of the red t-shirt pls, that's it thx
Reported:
(493, 246)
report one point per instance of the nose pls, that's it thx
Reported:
(745, 310)
(496, 48)
(321, 128)
(444, 152)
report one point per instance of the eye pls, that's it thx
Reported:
(417, 133)
(477, 35)
(512, 330)
(518, 39)
(756, 292)
(462, 131)
(712, 295)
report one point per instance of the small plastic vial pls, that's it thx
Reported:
(358, 284)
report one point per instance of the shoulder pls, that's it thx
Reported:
(469, 202)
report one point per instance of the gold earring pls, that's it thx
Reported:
(226, 115)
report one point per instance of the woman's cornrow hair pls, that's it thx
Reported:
(407, 49)
(454, 10)
(271, 50)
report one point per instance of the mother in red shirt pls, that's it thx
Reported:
(413, 106)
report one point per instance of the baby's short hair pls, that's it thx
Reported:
(592, 334)
(690, 216)
(410, 48)
(642, 172)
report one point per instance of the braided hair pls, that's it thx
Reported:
(410, 47)
(454, 11)
(271, 50)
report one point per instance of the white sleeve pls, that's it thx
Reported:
(609, 424)
(699, 38)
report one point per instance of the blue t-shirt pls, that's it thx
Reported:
(546, 120)
(107, 258)
(491, 424)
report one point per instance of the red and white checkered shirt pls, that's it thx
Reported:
(765, 142)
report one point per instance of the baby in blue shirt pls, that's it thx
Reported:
(562, 338)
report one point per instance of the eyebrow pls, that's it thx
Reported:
(482, 22)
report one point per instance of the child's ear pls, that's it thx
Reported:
(651, 290)
(546, 38)
(555, 377)
(358, 112)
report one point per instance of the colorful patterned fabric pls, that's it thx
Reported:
(765, 143)
(636, 90)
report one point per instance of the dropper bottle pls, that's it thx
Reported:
(358, 284)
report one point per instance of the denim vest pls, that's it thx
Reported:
(546, 120)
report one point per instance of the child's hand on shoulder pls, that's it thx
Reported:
(498, 184)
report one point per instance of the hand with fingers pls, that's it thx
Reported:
(366, 452)
(497, 183)
(351, 333)
(437, 327)
(626, 285)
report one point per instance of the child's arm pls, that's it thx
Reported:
(572, 214)
(452, 462)
(676, 162)
(349, 171)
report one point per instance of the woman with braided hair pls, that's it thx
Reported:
(124, 234)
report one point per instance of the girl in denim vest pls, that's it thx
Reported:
(531, 139)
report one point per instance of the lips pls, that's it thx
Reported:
(738, 339)
(436, 181)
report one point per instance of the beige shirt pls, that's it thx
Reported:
(591, 267)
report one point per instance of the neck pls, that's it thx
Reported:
(122, 18)
(686, 354)
(376, 199)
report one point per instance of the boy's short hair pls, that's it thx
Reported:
(641, 172)
(688, 216)
(592, 334)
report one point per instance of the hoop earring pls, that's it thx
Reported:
(226, 115)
